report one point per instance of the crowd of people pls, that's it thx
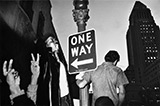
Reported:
(108, 81)
(43, 89)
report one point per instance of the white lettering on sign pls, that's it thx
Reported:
(82, 38)
(74, 40)
(89, 48)
(77, 51)
(88, 36)
(82, 51)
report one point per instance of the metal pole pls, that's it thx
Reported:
(80, 14)
(0, 90)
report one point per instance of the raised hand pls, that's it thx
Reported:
(35, 69)
(35, 65)
(13, 79)
(12, 76)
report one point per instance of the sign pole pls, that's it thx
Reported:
(80, 14)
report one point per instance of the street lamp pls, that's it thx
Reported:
(80, 14)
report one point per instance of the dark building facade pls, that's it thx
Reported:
(143, 46)
(22, 23)
(143, 38)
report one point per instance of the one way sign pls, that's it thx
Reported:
(82, 51)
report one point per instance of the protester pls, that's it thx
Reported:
(49, 85)
(53, 77)
(106, 79)
(20, 97)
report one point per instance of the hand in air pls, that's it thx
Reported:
(12, 77)
(35, 69)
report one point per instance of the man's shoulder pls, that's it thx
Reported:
(116, 69)
(104, 65)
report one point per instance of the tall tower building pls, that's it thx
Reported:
(143, 38)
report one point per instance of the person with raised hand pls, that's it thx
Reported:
(13, 79)
(18, 97)
(35, 69)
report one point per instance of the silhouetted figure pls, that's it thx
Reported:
(52, 75)
(104, 101)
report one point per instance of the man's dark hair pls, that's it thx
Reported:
(104, 101)
(112, 56)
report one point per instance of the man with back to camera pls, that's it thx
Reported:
(106, 79)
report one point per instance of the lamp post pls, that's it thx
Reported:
(0, 90)
(80, 14)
